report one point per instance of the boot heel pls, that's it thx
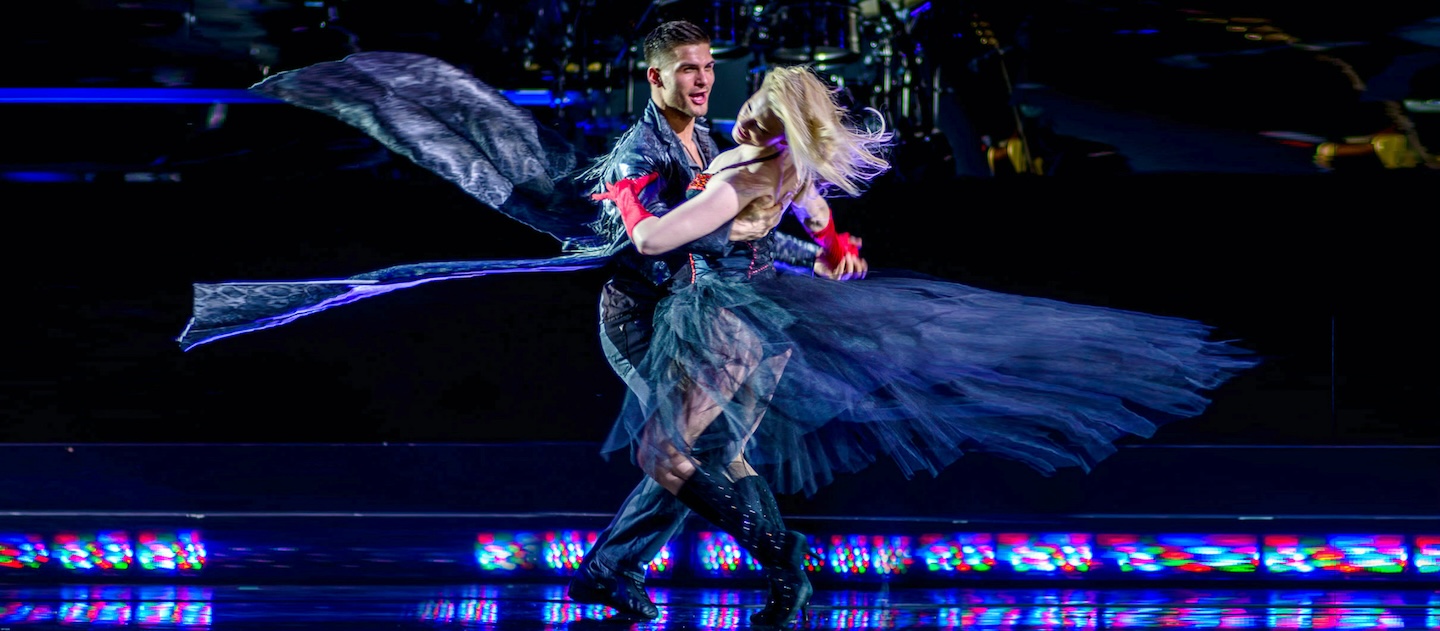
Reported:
(790, 588)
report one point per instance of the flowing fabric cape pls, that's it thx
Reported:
(441, 118)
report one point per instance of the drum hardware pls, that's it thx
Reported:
(901, 66)
(729, 23)
(570, 47)
(875, 63)
(731, 26)
(813, 31)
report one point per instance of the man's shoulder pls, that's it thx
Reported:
(643, 145)
(644, 133)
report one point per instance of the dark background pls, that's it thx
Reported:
(1170, 201)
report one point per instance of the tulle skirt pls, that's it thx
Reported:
(805, 377)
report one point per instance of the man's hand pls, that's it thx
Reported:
(850, 267)
(757, 219)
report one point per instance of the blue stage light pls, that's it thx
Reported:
(180, 96)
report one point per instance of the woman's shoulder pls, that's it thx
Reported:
(753, 177)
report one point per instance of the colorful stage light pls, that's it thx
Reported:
(1175, 554)
(1427, 554)
(23, 551)
(181, 552)
(958, 553)
(106, 551)
(548, 552)
(508, 551)
(564, 549)
(1050, 553)
(883, 557)
(1335, 554)
(718, 554)
(872, 555)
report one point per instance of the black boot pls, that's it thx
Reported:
(781, 585)
(756, 487)
(782, 552)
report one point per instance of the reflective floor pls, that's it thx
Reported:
(544, 606)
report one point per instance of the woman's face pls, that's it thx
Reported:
(756, 124)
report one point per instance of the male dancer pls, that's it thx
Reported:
(672, 139)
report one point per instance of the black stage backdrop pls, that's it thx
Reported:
(1325, 275)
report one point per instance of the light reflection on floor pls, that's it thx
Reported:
(543, 606)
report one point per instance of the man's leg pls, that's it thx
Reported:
(613, 570)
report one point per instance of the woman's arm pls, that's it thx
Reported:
(812, 211)
(726, 194)
(840, 252)
(698, 216)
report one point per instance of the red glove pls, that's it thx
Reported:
(626, 195)
(834, 246)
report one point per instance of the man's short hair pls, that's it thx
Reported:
(665, 38)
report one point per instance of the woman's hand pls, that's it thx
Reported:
(849, 267)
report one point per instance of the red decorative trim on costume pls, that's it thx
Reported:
(692, 269)
(698, 184)
(754, 252)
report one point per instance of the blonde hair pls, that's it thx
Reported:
(827, 152)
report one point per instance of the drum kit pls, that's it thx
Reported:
(787, 31)
(853, 43)
(861, 46)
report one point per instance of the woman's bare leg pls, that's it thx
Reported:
(670, 465)
(756, 405)
(735, 500)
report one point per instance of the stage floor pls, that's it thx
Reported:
(544, 606)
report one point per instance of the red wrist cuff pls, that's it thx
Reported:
(625, 194)
(632, 212)
(834, 246)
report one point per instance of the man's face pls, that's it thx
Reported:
(684, 83)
